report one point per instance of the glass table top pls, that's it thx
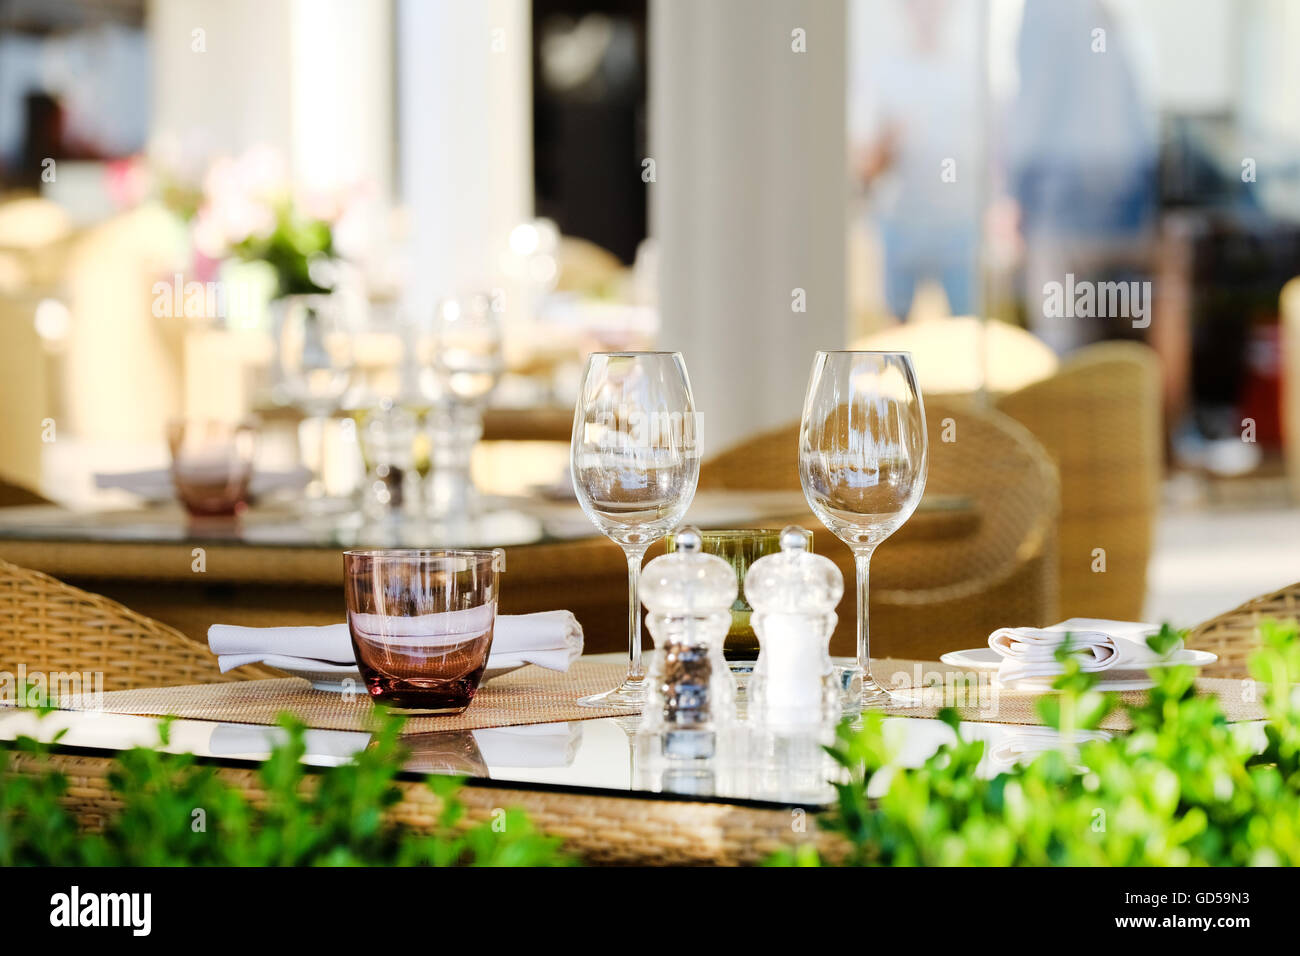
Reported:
(603, 754)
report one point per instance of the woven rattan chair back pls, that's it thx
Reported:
(48, 627)
(1099, 419)
(929, 596)
(1235, 634)
(12, 495)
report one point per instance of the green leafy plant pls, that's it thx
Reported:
(1183, 787)
(176, 811)
(296, 242)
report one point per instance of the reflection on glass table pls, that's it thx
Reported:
(588, 755)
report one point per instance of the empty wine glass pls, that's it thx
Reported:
(862, 464)
(462, 361)
(315, 345)
(635, 464)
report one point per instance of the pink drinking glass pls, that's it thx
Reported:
(422, 624)
(212, 465)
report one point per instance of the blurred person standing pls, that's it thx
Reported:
(1081, 161)
(915, 114)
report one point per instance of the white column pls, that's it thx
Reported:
(465, 120)
(311, 78)
(341, 83)
(220, 82)
(749, 202)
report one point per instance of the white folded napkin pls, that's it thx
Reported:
(550, 639)
(155, 484)
(1025, 743)
(229, 739)
(529, 745)
(1098, 644)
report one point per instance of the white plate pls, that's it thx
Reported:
(987, 659)
(340, 679)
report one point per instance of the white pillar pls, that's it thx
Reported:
(311, 78)
(466, 159)
(220, 77)
(750, 199)
(341, 72)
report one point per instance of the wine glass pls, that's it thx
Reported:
(463, 357)
(315, 346)
(635, 463)
(862, 464)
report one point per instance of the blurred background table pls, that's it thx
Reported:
(273, 567)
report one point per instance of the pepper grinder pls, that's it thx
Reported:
(688, 595)
(794, 595)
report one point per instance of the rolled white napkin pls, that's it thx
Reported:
(550, 639)
(155, 484)
(1099, 645)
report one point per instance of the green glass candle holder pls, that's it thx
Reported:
(740, 548)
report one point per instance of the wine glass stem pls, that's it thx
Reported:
(862, 562)
(635, 669)
(322, 450)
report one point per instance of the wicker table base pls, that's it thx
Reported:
(642, 831)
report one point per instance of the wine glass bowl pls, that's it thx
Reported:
(466, 344)
(461, 361)
(316, 352)
(863, 455)
(635, 464)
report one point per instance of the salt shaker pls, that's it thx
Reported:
(794, 595)
(692, 691)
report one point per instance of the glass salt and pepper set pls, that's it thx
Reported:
(793, 695)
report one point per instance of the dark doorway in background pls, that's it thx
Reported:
(589, 119)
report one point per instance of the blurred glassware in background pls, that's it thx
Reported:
(212, 464)
(387, 435)
(460, 359)
(315, 344)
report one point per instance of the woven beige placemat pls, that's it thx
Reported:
(923, 688)
(530, 695)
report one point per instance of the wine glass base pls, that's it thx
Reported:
(630, 695)
(859, 690)
(874, 695)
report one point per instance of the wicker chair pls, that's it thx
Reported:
(1099, 419)
(587, 576)
(13, 496)
(47, 626)
(932, 596)
(1234, 635)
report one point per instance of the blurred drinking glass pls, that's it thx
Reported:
(862, 463)
(212, 465)
(635, 464)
